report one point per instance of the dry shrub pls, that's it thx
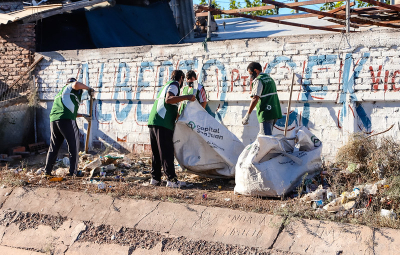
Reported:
(377, 158)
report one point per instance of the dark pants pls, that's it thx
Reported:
(60, 130)
(266, 127)
(162, 147)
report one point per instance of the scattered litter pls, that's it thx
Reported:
(227, 199)
(124, 164)
(101, 185)
(92, 165)
(110, 167)
(39, 171)
(113, 237)
(388, 214)
(66, 161)
(317, 203)
(62, 171)
(56, 179)
(316, 195)
(205, 196)
(7, 194)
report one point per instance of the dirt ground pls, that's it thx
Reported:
(133, 181)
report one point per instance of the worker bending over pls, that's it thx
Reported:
(63, 124)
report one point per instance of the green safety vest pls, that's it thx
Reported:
(66, 103)
(163, 114)
(188, 91)
(268, 106)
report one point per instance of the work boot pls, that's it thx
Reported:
(174, 183)
(78, 174)
(154, 182)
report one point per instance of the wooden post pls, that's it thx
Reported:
(347, 16)
(289, 103)
(89, 124)
(209, 22)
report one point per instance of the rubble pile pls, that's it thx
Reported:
(363, 182)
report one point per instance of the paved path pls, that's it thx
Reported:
(171, 223)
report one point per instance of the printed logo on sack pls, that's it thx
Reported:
(315, 141)
(191, 125)
(268, 107)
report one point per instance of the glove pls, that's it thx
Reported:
(91, 91)
(245, 119)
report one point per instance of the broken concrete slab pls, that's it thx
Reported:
(43, 237)
(192, 221)
(386, 241)
(213, 224)
(323, 237)
(4, 250)
(4, 194)
(84, 248)
(157, 250)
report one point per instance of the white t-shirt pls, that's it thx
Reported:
(257, 88)
(173, 88)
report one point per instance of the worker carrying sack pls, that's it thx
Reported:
(203, 145)
(274, 165)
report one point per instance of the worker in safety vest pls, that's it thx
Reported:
(161, 127)
(265, 98)
(193, 88)
(63, 125)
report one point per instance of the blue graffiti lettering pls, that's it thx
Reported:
(292, 118)
(103, 117)
(122, 84)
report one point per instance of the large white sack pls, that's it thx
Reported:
(273, 166)
(203, 145)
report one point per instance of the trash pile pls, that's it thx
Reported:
(114, 167)
(274, 166)
(365, 179)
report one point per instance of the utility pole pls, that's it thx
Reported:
(296, 11)
(347, 16)
(209, 22)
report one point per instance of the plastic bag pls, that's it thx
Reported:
(273, 166)
(203, 145)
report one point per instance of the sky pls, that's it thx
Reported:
(225, 5)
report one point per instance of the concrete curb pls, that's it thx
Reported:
(231, 227)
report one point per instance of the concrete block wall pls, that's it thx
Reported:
(344, 84)
(17, 46)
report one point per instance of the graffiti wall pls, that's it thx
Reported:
(343, 84)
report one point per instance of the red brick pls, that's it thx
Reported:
(18, 149)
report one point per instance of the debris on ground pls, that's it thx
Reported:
(362, 185)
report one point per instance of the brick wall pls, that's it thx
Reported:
(346, 84)
(17, 46)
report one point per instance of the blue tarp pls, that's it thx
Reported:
(125, 25)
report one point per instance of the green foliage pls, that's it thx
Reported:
(233, 4)
(359, 4)
(257, 3)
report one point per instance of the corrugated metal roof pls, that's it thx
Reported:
(26, 12)
(32, 13)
